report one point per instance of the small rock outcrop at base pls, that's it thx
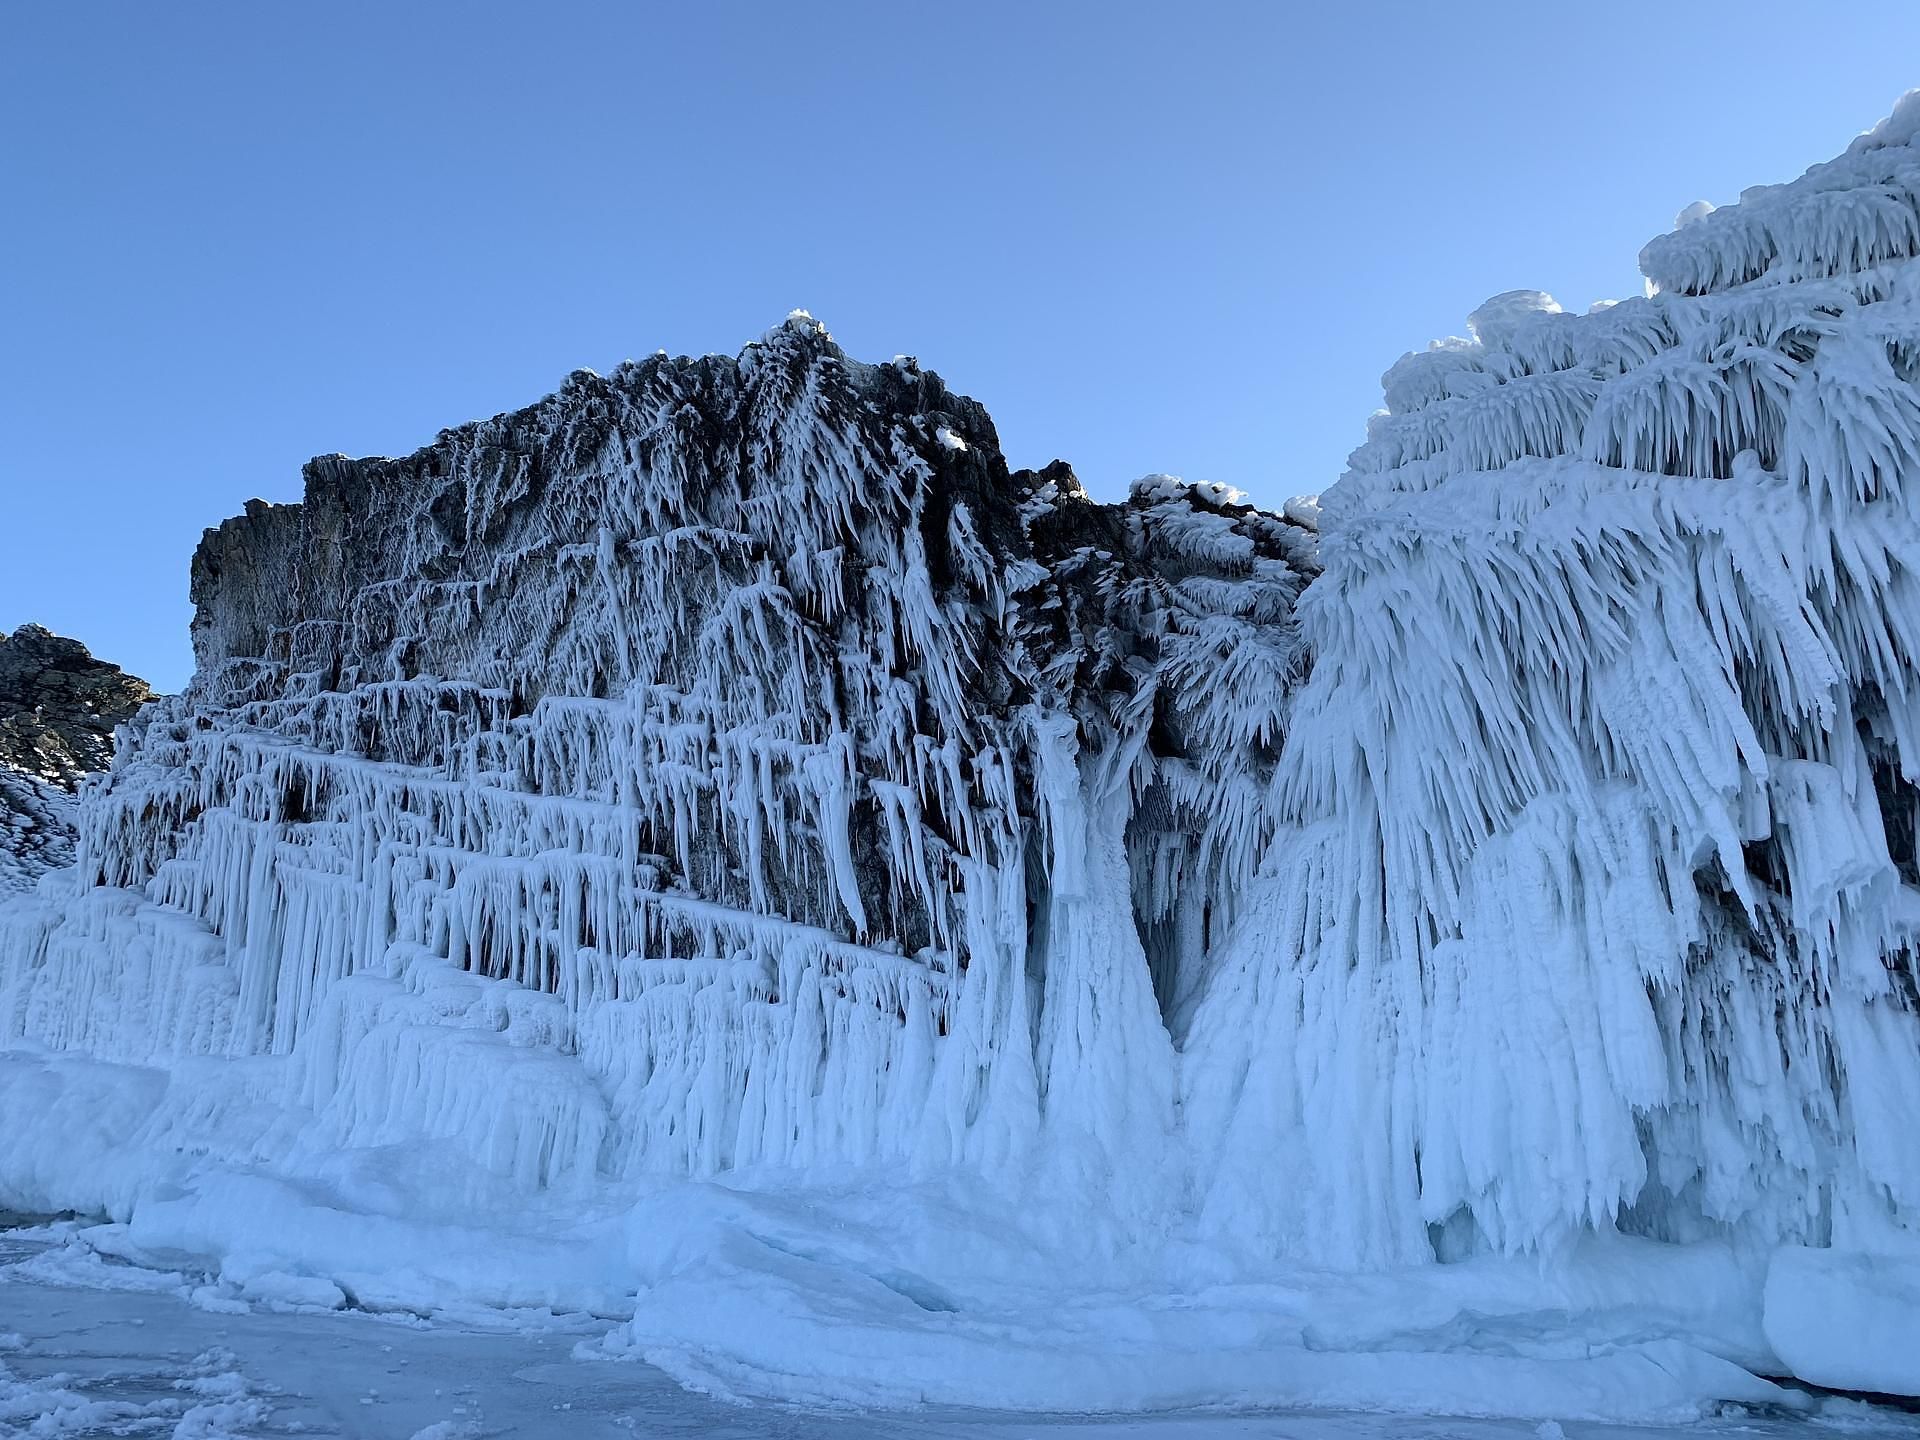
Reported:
(58, 710)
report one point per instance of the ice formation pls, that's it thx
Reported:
(1593, 893)
(769, 774)
(728, 771)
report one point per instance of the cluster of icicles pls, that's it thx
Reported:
(728, 763)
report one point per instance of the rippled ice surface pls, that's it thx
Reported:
(93, 1349)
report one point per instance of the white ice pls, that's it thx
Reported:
(93, 1348)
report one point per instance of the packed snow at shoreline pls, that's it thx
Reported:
(716, 872)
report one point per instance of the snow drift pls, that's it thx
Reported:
(716, 849)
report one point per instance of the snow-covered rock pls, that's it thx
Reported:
(58, 710)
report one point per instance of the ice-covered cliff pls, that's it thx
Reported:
(786, 761)
(58, 710)
(783, 779)
(1595, 878)
(722, 847)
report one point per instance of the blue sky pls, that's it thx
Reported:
(1149, 237)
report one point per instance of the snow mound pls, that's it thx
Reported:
(1496, 320)
(1847, 1320)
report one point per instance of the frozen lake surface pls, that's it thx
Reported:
(120, 1351)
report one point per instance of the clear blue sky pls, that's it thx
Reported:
(1183, 237)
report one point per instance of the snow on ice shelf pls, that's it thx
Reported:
(724, 849)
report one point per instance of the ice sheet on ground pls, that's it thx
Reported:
(140, 1358)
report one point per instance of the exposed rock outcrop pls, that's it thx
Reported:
(58, 710)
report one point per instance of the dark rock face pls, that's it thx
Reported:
(58, 706)
(58, 710)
